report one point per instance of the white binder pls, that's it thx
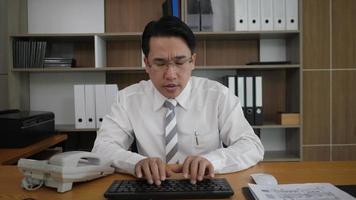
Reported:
(254, 15)
(111, 95)
(292, 14)
(231, 84)
(79, 106)
(241, 91)
(100, 52)
(279, 14)
(90, 106)
(258, 111)
(267, 15)
(240, 15)
(249, 100)
(100, 104)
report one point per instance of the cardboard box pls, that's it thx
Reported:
(289, 118)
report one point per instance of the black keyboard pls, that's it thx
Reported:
(169, 189)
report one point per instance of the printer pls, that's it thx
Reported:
(22, 128)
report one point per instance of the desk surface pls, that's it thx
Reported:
(338, 173)
(12, 155)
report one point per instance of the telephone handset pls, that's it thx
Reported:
(62, 169)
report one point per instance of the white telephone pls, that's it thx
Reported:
(61, 170)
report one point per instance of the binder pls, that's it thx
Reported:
(79, 106)
(279, 14)
(176, 8)
(267, 15)
(240, 15)
(167, 9)
(100, 104)
(206, 12)
(90, 106)
(258, 111)
(231, 84)
(249, 100)
(111, 95)
(254, 15)
(99, 51)
(193, 14)
(292, 14)
(241, 92)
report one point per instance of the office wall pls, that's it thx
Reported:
(329, 73)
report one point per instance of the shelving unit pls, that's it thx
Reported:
(116, 55)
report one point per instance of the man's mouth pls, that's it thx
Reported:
(171, 87)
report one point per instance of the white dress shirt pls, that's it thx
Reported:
(208, 114)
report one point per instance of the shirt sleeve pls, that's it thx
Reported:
(114, 138)
(244, 149)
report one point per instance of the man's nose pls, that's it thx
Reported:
(171, 72)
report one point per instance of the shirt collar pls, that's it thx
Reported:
(182, 98)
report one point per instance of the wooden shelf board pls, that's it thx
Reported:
(281, 156)
(12, 155)
(92, 69)
(270, 125)
(199, 35)
(63, 128)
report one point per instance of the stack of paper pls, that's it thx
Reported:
(306, 191)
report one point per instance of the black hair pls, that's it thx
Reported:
(167, 26)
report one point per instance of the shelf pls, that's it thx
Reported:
(63, 128)
(281, 156)
(199, 35)
(271, 126)
(12, 155)
(92, 69)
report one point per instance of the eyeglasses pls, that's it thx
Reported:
(179, 63)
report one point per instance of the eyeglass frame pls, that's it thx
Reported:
(174, 62)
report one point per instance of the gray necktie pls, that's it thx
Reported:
(171, 131)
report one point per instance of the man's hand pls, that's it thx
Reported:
(195, 167)
(153, 170)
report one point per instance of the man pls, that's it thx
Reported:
(176, 118)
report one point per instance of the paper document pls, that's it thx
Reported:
(306, 191)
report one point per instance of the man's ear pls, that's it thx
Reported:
(194, 58)
(147, 65)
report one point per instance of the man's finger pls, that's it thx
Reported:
(138, 171)
(154, 172)
(186, 166)
(201, 170)
(211, 170)
(194, 170)
(161, 170)
(147, 172)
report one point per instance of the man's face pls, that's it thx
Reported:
(169, 65)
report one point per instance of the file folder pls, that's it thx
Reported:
(206, 15)
(231, 84)
(249, 100)
(241, 92)
(79, 106)
(267, 15)
(100, 104)
(240, 15)
(111, 95)
(90, 106)
(193, 14)
(292, 14)
(254, 15)
(258, 114)
(279, 14)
